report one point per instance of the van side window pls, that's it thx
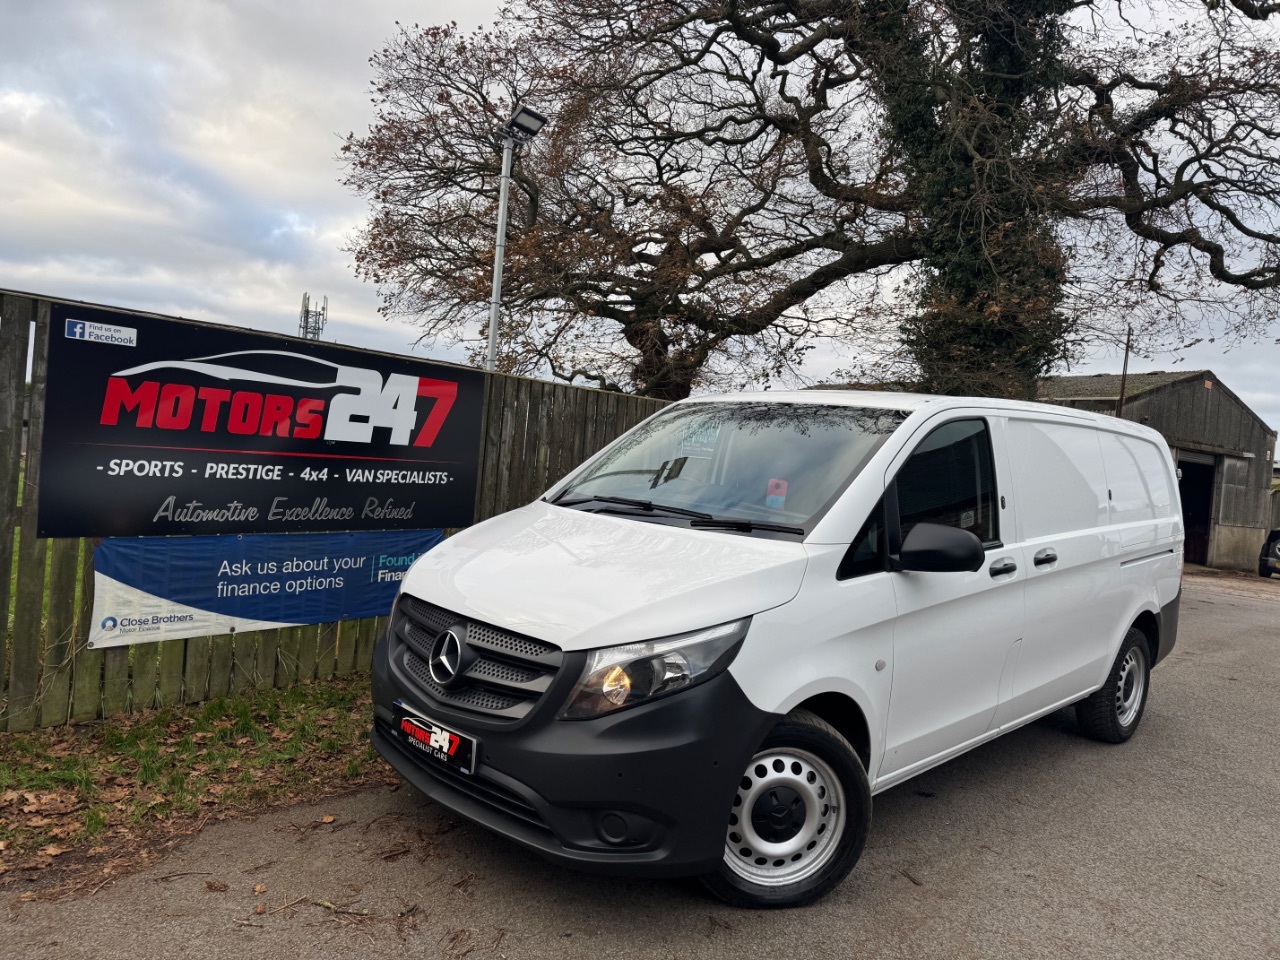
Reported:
(866, 553)
(950, 480)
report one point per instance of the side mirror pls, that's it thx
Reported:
(934, 548)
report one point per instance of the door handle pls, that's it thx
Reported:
(1045, 557)
(1000, 569)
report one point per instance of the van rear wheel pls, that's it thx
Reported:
(799, 818)
(1113, 713)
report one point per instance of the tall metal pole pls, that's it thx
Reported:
(495, 300)
(1124, 373)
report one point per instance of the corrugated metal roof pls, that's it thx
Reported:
(1107, 385)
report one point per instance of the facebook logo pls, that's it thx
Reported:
(101, 333)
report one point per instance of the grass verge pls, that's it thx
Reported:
(82, 804)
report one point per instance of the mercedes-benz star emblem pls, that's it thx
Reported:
(446, 658)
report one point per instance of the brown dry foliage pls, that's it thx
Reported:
(723, 186)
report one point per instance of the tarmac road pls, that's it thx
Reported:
(1042, 844)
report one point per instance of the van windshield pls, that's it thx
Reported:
(762, 466)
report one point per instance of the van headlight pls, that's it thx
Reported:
(635, 673)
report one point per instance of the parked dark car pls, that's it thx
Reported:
(1269, 558)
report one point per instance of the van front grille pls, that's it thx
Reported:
(505, 674)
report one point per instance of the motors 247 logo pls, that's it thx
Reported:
(364, 401)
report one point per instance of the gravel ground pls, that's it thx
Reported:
(1042, 844)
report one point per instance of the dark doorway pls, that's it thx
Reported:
(1196, 488)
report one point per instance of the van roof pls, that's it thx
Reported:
(911, 402)
(841, 398)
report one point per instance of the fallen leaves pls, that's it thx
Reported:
(46, 802)
(216, 886)
(328, 820)
(464, 884)
(458, 943)
(143, 781)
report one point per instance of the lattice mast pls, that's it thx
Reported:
(311, 322)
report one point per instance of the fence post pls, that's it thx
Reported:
(15, 339)
(55, 684)
(86, 695)
(28, 610)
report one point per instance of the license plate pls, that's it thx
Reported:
(435, 740)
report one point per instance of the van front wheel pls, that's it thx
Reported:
(1112, 713)
(799, 818)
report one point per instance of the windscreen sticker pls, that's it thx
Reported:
(699, 440)
(776, 494)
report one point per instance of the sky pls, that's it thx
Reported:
(181, 158)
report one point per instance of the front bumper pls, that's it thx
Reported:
(642, 792)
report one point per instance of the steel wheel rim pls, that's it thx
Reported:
(1130, 686)
(786, 772)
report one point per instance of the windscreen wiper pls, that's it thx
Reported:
(646, 505)
(745, 526)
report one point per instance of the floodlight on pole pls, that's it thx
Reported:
(523, 125)
(526, 123)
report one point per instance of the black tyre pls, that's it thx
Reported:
(1113, 713)
(799, 819)
(1264, 572)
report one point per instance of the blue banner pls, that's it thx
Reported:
(168, 588)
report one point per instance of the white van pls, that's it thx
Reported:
(703, 651)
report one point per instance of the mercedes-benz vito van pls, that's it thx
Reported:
(704, 650)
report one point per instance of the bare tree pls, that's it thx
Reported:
(992, 183)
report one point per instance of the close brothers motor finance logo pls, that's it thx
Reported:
(364, 401)
(109, 623)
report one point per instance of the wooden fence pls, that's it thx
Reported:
(533, 433)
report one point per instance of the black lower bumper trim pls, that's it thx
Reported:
(1168, 625)
(481, 789)
(644, 792)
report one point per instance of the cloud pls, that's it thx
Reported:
(181, 157)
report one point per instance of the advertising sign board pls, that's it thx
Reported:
(157, 427)
(152, 589)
